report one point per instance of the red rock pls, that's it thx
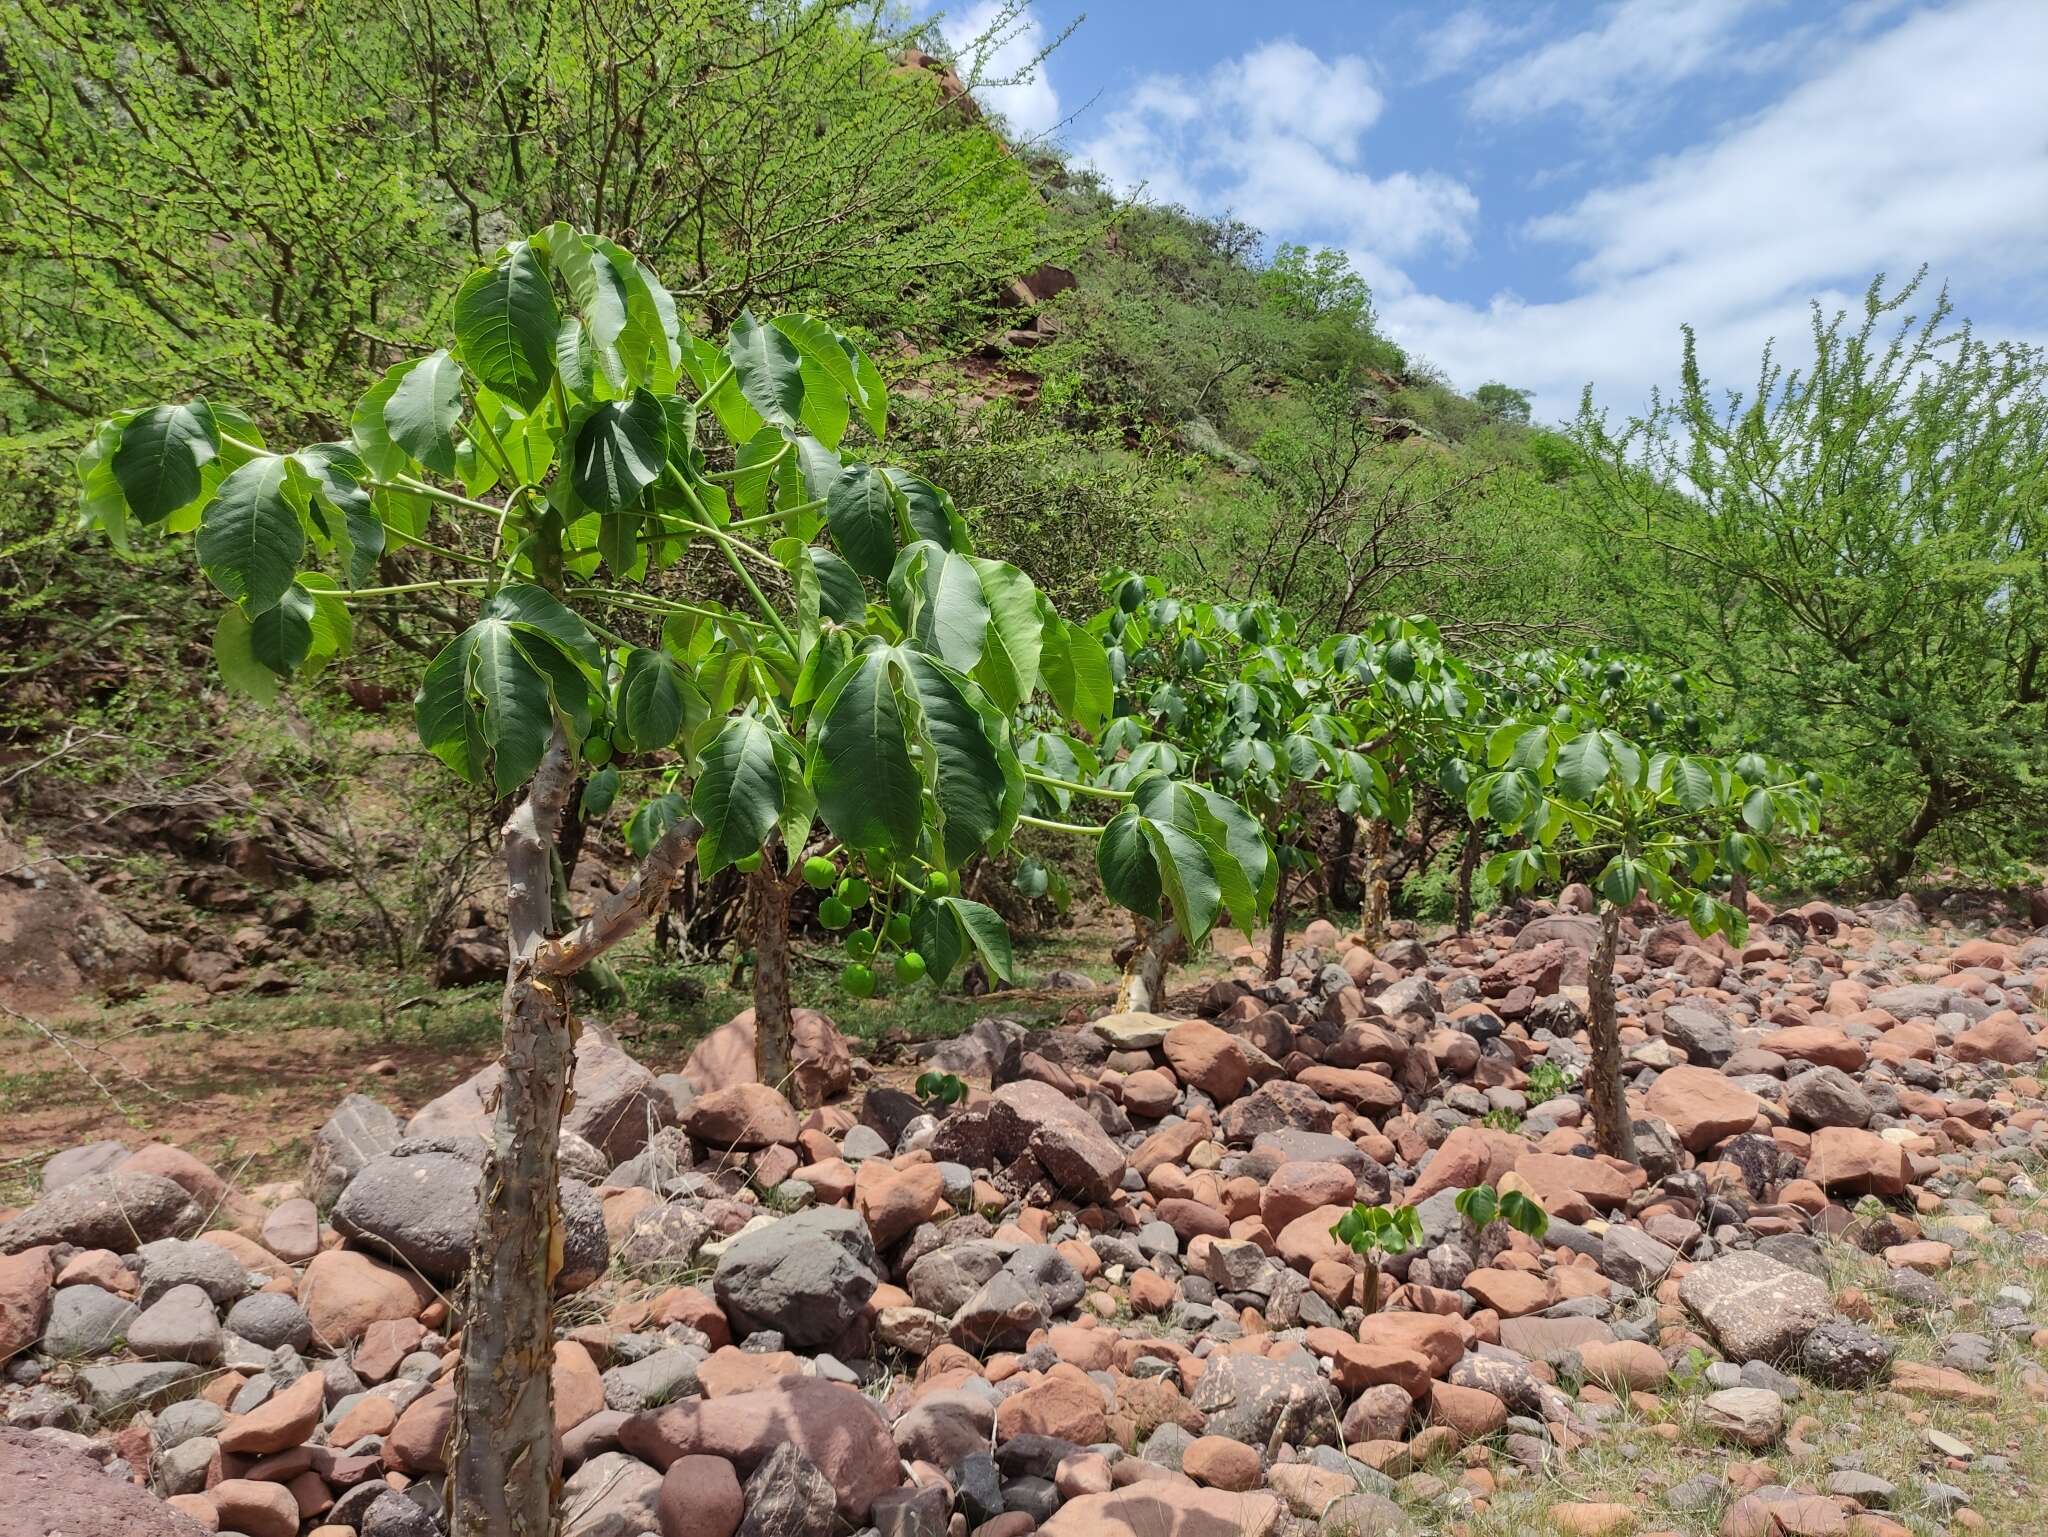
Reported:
(578, 1388)
(1067, 1406)
(418, 1443)
(1702, 1107)
(1623, 1366)
(181, 1169)
(24, 1299)
(2000, 1037)
(1821, 1044)
(287, 1419)
(1981, 952)
(730, 1370)
(745, 1116)
(1149, 1093)
(819, 1055)
(1844, 1158)
(292, 1231)
(1296, 1189)
(894, 1201)
(1163, 1507)
(1218, 1462)
(371, 1416)
(1510, 1293)
(1308, 1240)
(345, 1292)
(1356, 1365)
(1363, 1090)
(101, 1268)
(1472, 1412)
(700, 1497)
(1554, 1177)
(833, 1425)
(1069, 1145)
(258, 1509)
(1440, 1338)
(1191, 1218)
(384, 1345)
(1470, 1155)
(1212, 1060)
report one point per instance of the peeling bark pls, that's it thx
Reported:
(1613, 1132)
(1378, 839)
(1143, 987)
(768, 917)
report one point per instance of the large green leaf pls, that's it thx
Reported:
(654, 699)
(1076, 671)
(738, 795)
(936, 933)
(1126, 866)
(1189, 877)
(512, 696)
(236, 657)
(1693, 783)
(367, 429)
(929, 511)
(523, 603)
(653, 818)
(869, 791)
(860, 509)
(159, 458)
(448, 727)
(620, 451)
(281, 636)
(938, 601)
(840, 596)
(768, 369)
(1008, 670)
(964, 771)
(424, 405)
(249, 539)
(506, 321)
(827, 352)
(1582, 766)
(356, 530)
(985, 931)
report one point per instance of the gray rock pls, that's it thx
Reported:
(582, 1162)
(1364, 1515)
(1827, 1096)
(1756, 1308)
(271, 1319)
(1752, 1417)
(120, 1211)
(910, 1512)
(945, 1427)
(182, 1468)
(944, 1279)
(1249, 1398)
(667, 1237)
(1926, 1001)
(181, 1325)
(85, 1321)
(109, 1390)
(359, 1130)
(419, 1204)
(1001, 1315)
(390, 1514)
(1702, 1036)
(617, 1105)
(808, 1277)
(1866, 1489)
(173, 1262)
(659, 1379)
(611, 1495)
(182, 1421)
(788, 1496)
(75, 1163)
(1631, 1256)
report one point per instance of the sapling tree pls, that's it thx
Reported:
(558, 454)
(1374, 1233)
(1668, 824)
(1490, 1214)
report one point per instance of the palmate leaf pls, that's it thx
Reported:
(963, 772)
(1014, 640)
(829, 357)
(488, 703)
(768, 369)
(656, 700)
(1125, 864)
(937, 597)
(235, 655)
(869, 792)
(860, 509)
(281, 636)
(158, 461)
(738, 794)
(620, 451)
(929, 511)
(1076, 671)
(506, 321)
(250, 541)
(420, 412)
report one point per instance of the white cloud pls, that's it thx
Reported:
(989, 51)
(1924, 143)
(1459, 39)
(1276, 136)
(1638, 47)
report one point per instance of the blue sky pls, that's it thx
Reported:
(1543, 193)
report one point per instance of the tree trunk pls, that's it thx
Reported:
(1143, 987)
(1276, 935)
(502, 1469)
(1468, 862)
(504, 1481)
(768, 917)
(1337, 879)
(1378, 838)
(1612, 1131)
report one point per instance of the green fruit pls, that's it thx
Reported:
(909, 967)
(834, 914)
(1814, 783)
(899, 928)
(937, 884)
(747, 864)
(597, 751)
(860, 944)
(820, 872)
(858, 980)
(853, 891)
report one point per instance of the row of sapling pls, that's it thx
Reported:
(687, 575)
(1377, 1233)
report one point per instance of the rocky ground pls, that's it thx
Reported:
(1100, 1295)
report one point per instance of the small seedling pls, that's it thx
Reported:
(1502, 1119)
(1373, 1233)
(1547, 1080)
(943, 1087)
(1483, 1207)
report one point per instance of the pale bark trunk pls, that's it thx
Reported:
(1378, 839)
(1612, 1130)
(1276, 936)
(503, 1480)
(504, 1476)
(768, 916)
(1143, 987)
(1468, 863)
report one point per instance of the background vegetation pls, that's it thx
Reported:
(269, 201)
